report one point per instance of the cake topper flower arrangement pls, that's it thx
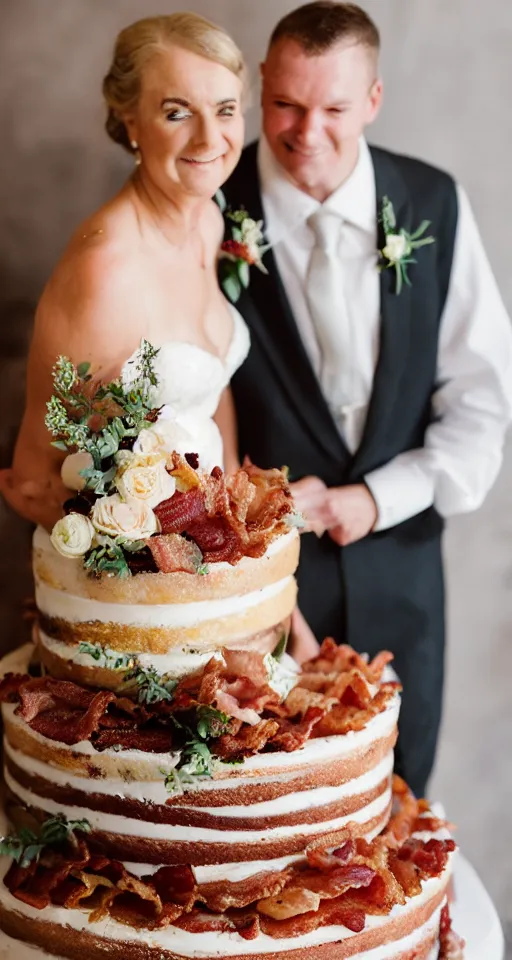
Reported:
(139, 506)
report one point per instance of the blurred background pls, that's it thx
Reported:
(447, 68)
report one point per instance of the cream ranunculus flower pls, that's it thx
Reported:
(72, 536)
(397, 246)
(164, 436)
(144, 477)
(133, 519)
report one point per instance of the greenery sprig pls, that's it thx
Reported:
(77, 415)
(108, 555)
(151, 686)
(111, 661)
(25, 845)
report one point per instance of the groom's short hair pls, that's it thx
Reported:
(320, 25)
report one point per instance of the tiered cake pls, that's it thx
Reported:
(175, 785)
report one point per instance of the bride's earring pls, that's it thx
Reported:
(135, 147)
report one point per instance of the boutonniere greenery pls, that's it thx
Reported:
(244, 250)
(400, 244)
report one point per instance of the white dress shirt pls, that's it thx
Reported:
(472, 403)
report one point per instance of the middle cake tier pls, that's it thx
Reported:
(265, 809)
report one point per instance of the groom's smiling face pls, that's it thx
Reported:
(315, 107)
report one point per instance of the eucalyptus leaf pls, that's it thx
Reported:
(232, 287)
(243, 273)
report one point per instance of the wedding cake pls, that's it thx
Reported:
(175, 786)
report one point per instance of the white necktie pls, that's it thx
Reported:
(326, 300)
(328, 309)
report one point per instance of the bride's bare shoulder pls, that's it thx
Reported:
(99, 265)
(91, 302)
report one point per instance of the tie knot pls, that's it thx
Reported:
(326, 226)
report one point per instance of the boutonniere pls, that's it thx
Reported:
(244, 250)
(400, 244)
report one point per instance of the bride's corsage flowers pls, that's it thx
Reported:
(400, 244)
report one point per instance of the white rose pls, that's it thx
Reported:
(133, 519)
(396, 247)
(163, 436)
(70, 470)
(144, 477)
(252, 235)
(73, 535)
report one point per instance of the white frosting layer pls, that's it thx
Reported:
(314, 752)
(231, 871)
(176, 664)
(155, 791)
(231, 944)
(66, 606)
(129, 826)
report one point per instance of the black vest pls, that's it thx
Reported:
(387, 589)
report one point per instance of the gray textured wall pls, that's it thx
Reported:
(447, 70)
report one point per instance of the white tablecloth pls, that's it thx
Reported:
(474, 916)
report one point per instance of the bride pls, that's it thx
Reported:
(144, 265)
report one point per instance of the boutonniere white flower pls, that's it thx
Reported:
(244, 250)
(400, 244)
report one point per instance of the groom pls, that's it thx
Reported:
(387, 401)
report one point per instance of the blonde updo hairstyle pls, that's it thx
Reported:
(137, 44)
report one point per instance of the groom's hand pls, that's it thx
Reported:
(347, 513)
(357, 513)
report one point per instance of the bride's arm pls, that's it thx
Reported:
(225, 418)
(85, 315)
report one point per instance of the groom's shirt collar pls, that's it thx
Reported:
(287, 207)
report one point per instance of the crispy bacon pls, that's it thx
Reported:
(71, 878)
(242, 697)
(429, 857)
(248, 741)
(150, 740)
(221, 895)
(49, 714)
(244, 922)
(404, 813)
(44, 693)
(175, 884)
(344, 719)
(217, 540)
(318, 855)
(180, 510)
(172, 553)
(334, 882)
(293, 735)
(329, 912)
(343, 658)
(451, 946)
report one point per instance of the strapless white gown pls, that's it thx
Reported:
(190, 384)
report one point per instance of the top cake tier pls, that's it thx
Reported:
(169, 617)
